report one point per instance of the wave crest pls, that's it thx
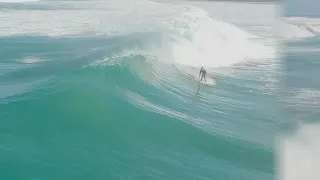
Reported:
(195, 39)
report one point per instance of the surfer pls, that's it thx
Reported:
(203, 74)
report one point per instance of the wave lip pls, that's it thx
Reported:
(204, 41)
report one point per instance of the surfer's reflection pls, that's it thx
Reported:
(198, 89)
(196, 97)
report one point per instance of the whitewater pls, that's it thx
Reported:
(102, 90)
(297, 144)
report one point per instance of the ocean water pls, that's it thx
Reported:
(102, 90)
(298, 143)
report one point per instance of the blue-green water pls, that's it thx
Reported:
(300, 96)
(91, 90)
(300, 69)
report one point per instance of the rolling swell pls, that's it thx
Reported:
(89, 114)
(98, 107)
(90, 108)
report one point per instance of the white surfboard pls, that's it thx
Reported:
(209, 82)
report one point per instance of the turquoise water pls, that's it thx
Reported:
(91, 90)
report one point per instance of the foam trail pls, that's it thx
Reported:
(30, 60)
(299, 156)
(299, 27)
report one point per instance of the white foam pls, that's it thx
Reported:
(197, 40)
(299, 27)
(17, 1)
(30, 60)
(301, 49)
(195, 76)
(207, 42)
(76, 18)
(299, 155)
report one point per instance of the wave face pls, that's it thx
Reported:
(98, 90)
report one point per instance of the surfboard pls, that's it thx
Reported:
(209, 82)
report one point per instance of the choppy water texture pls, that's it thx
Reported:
(300, 99)
(91, 90)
